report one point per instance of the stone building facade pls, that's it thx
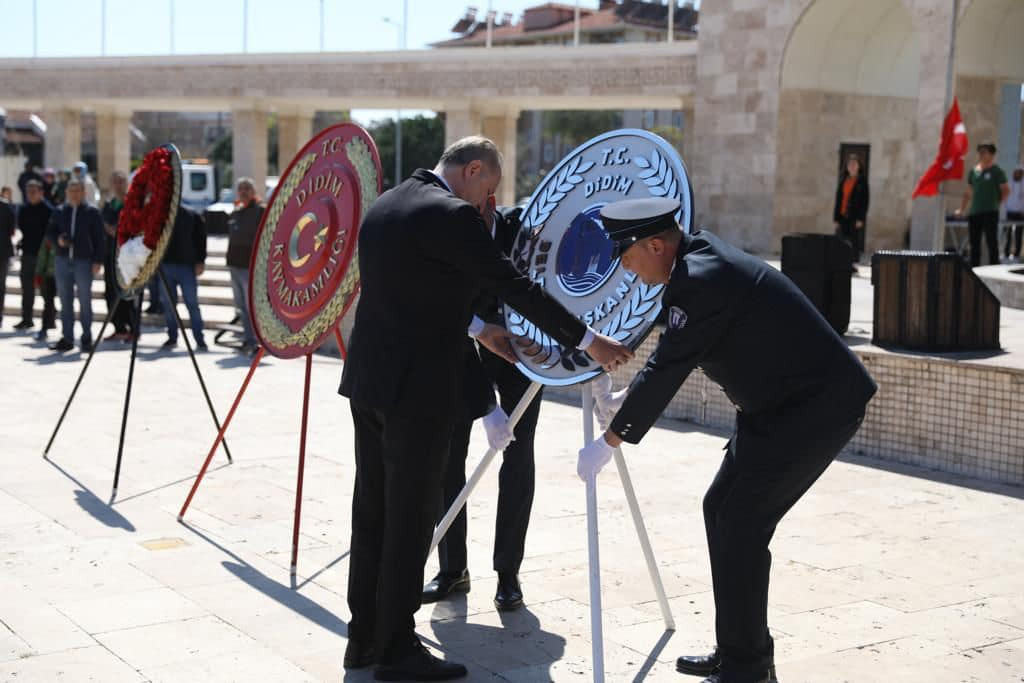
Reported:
(781, 84)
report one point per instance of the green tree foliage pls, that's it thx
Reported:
(422, 144)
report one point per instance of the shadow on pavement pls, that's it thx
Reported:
(519, 643)
(88, 501)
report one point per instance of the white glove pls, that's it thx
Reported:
(593, 457)
(499, 433)
(607, 402)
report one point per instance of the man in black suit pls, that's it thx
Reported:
(516, 478)
(425, 253)
(800, 396)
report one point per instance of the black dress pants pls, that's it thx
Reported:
(1015, 231)
(516, 478)
(769, 464)
(28, 285)
(399, 466)
(854, 236)
(49, 294)
(122, 317)
(986, 224)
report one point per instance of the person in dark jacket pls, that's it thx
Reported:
(851, 206)
(77, 230)
(46, 284)
(25, 176)
(183, 263)
(7, 223)
(425, 254)
(516, 478)
(33, 217)
(121, 318)
(800, 396)
(242, 227)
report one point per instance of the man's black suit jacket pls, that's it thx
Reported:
(424, 256)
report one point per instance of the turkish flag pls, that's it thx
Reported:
(949, 163)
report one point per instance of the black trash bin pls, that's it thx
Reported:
(822, 267)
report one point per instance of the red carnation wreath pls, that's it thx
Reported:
(146, 212)
(149, 197)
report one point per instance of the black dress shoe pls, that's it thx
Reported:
(699, 665)
(444, 585)
(359, 654)
(24, 325)
(510, 594)
(721, 678)
(418, 665)
(62, 346)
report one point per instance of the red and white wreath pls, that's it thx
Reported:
(145, 212)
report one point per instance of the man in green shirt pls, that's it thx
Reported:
(986, 190)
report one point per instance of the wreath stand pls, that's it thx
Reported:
(596, 626)
(302, 443)
(135, 301)
(324, 152)
(129, 292)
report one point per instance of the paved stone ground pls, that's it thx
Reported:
(880, 574)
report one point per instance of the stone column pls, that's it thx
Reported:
(460, 121)
(502, 128)
(249, 146)
(63, 137)
(688, 143)
(113, 145)
(932, 22)
(293, 131)
(731, 146)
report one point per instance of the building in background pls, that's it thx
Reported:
(544, 139)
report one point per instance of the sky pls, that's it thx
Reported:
(71, 28)
(143, 27)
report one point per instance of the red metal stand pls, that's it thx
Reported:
(341, 344)
(220, 434)
(302, 442)
(302, 464)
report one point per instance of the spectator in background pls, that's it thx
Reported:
(7, 195)
(183, 263)
(242, 226)
(1015, 214)
(111, 212)
(77, 231)
(49, 184)
(80, 171)
(28, 174)
(33, 218)
(60, 189)
(46, 283)
(851, 205)
(7, 223)
(986, 191)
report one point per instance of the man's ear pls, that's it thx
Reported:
(473, 168)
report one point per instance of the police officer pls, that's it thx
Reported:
(799, 392)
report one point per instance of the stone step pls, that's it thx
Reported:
(210, 295)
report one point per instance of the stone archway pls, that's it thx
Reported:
(849, 74)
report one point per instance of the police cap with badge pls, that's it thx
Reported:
(631, 220)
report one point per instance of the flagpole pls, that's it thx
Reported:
(938, 236)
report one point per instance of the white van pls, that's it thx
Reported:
(198, 184)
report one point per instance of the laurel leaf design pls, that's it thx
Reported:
(641, 162)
